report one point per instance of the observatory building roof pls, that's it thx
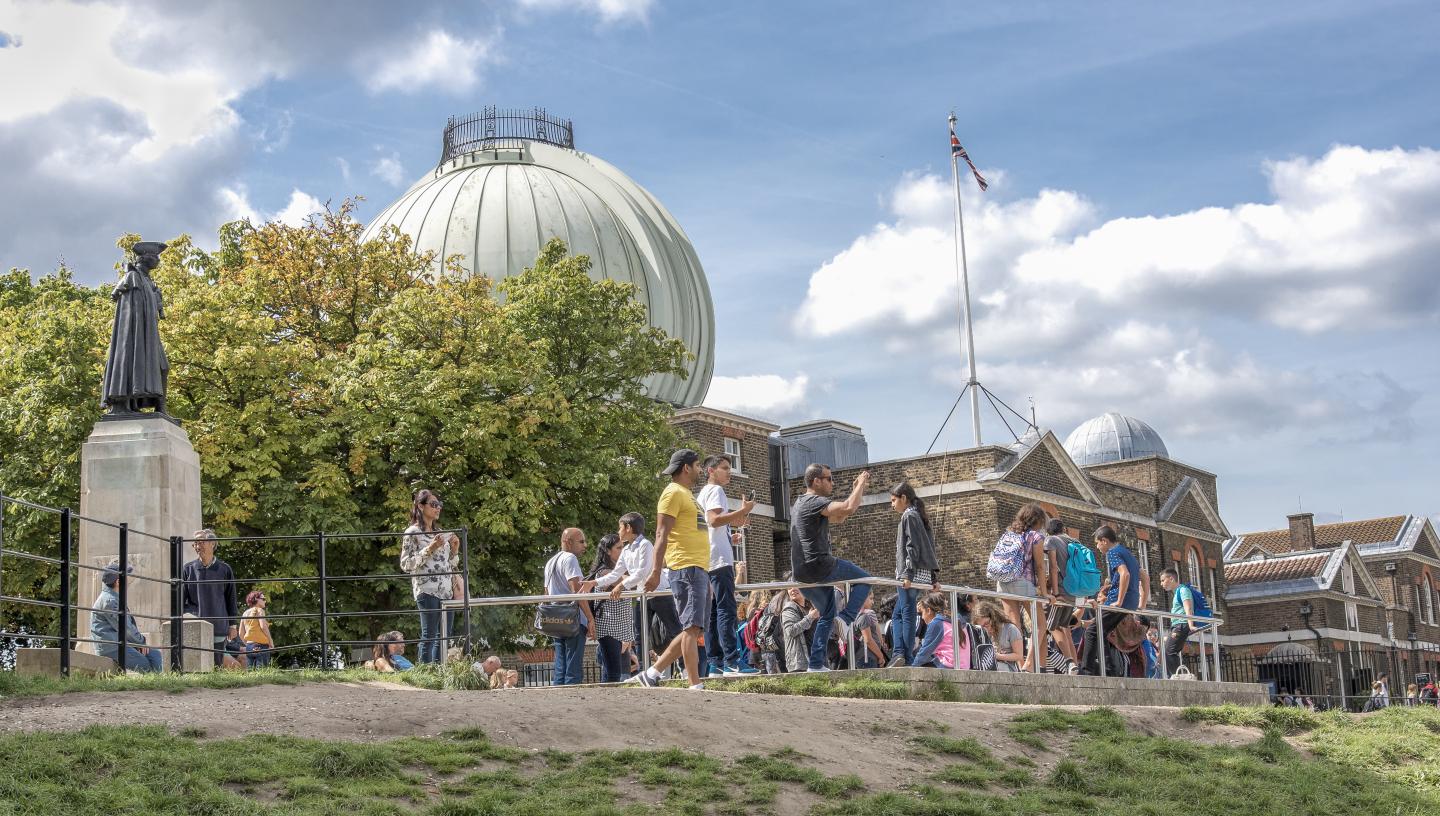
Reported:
(1112, 437)
(509, 181)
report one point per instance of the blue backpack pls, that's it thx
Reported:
(1082, 574)
(1007, 560)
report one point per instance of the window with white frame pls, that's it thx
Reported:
(732, 450)
(1193, 562)
(1144, 547)
(739, 547)
(1212, 597)
(1429, 604)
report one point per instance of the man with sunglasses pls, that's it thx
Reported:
(811, 560)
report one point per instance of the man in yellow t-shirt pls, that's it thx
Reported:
(682, 544)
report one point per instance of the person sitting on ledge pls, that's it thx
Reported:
(105, 626)
(389, 654)
(938, 648)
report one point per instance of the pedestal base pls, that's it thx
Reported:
(142, 472)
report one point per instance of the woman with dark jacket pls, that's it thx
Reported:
(915, 565)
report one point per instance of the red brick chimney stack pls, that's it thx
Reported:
(1302, 531)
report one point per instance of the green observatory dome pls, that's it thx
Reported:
(509, 181)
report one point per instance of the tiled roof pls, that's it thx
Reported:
(1365, 531)
(1283, 568)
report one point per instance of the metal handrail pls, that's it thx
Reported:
(498, 127)
(953, 591)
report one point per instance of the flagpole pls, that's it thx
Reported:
(963, 266)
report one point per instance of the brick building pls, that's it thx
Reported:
(1364, 593)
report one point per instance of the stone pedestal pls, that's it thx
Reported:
(142, 472)
(198, 637)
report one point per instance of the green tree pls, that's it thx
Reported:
(323, 380)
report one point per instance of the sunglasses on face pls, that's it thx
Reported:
(435, 504)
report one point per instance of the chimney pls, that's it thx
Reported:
(1302, 531)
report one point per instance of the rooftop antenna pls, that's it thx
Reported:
(962, 265)
(967, 323)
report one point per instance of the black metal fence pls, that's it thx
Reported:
(47, 616)
(494, 128)
(1333, 677)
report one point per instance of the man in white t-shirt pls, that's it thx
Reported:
(721, 520)
(563, 577)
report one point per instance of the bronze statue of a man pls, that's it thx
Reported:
(137, 369)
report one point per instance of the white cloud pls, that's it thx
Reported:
(768, 396)
(1089, 316)
(235, 204)
(608, 10)
(387, 169)
(439, 60)
(344, 166)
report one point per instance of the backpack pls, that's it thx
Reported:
(751, 641)
(982, 650)
(1007, 560)
(1082, 574)
(768, 635)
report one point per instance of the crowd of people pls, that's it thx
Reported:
(1051, 588)
(705, 628)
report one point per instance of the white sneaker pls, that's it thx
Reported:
(819, 670)
(698, 687)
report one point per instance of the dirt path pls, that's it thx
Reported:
(867, 737)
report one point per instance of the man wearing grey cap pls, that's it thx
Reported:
(105, 625)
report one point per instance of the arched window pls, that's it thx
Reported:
(1193, 563)
(1347, 585)
(1429, 603)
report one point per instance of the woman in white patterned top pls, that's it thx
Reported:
(614, 620)
(430, 558)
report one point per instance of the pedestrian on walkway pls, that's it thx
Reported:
(255, 631)
(681, 544)
(721, 521)
(563, 577)
(614, 619)
(209, 593)
(430, 557)
(915, 565)
(811, 558)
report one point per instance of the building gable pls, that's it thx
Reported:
(1041, 463)
(1187, 506)
(1428, 543)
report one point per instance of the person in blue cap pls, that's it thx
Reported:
(105, 625)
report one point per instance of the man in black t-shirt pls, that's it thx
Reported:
(811, 560)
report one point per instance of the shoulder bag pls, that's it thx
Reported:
(558, 620)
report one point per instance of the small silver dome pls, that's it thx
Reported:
(509, 181)
(1112, 437)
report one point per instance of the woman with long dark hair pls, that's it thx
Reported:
(431, 558)
(915, 565)
(614, 619)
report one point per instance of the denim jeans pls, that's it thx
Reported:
(720, 634)
(1175, 645)
(569, 660)
(611, 660)
(257, 655)
(134, 661)
(823, 599)
(432, 648)
(902, 623)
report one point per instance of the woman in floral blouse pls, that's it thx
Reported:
(430, 558)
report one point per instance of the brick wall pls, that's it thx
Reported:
(1189, 514)
(1042, 472)
(706, 433)
(1140, 474)
(1123, 497)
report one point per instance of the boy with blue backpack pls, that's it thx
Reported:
(1185, 600)
(1072, 573)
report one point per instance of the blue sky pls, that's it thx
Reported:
(1219, 218)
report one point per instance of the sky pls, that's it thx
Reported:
(1220, 218)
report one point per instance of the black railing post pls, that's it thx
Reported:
(65, 592)
(123, 548)
(465, 569)
(177, 608)
(324, 609)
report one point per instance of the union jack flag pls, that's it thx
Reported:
(957, 150)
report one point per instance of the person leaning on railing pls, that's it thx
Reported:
(428, 557)
(105, 626)
(1187, 601)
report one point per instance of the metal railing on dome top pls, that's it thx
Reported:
(494, 128)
